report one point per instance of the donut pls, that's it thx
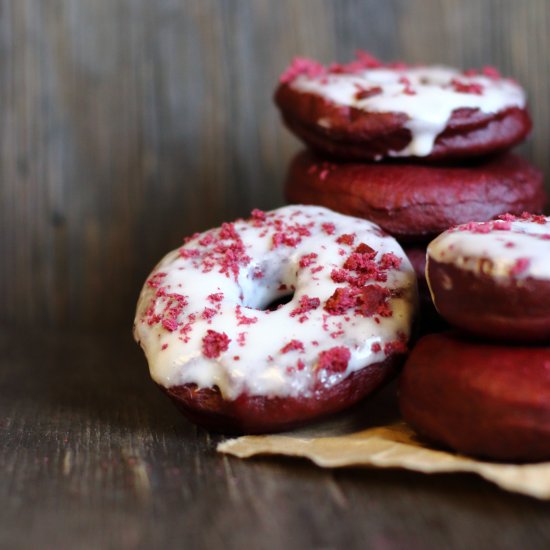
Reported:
(492, 279)
(417, 202)
(368, 111)
(482, 399)
(234, 361)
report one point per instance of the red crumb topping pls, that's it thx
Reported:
(390, 261)
(466, 87)
(329, 228)
(299, 66)
(156, 280)
(491, 72)
(408, 89)
(520, 266)
(334, 360)
(346, 238)
(305, 305)
(258, 215)
(376, 347)
(341, 300)
(317, 269)
(365, 93)
(169, 324)
(217, 297)
(374, 300)
(293, 345)
(241, 338)
(242, 319)
(308, 259)
(164, 346)
(208, 313)
(214, 343)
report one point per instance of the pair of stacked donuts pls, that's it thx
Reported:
(416, 149)
(486, 389)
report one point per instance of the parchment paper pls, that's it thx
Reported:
(373, 436)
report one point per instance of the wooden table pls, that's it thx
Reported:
(93, 456)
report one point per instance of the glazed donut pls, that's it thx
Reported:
(416, 202)
(492, 279)
(232, 363)
(482, 399)
(367, 110)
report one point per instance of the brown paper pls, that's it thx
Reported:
(387, 444)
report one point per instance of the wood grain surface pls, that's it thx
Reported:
(92, 455)
(127, 124)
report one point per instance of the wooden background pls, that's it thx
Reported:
(126, 124)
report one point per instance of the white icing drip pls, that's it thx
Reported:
(429, 110)
(504, 248)
(261, 367)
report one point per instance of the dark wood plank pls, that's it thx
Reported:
(126, 124)
(93, 456)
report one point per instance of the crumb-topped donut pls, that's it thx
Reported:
(415, 202)
(232, 363)
(493, 278)
(477, 398)
(368, 110)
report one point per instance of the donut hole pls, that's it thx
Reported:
(278, 302)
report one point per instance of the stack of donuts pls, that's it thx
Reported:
(484, 389)
(416, 149)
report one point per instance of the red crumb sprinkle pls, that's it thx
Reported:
(328, 228)
(507, 217)
(236, 357)
(169, 324)
(208, 313)
(308, 259)
(189, 252)
(164, 346)
(491, 72)
(305, 305)
(341, 300)
(520, 266)
(346, 238)
(365, 93)
(242, 319)
(374, 300)
(302, 66)
(257, 214)
(376, 347)
(501, 225)
(334, 360)
(317, 269)
(216, 297)
(156, 280)
(390, 261)
(214, 343)
(408, 89)
(292, 346)
(466, 87)
(207, 240)
(241, 338)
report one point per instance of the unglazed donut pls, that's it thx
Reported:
(492, 279)
(231, 363)
(415, 202)
(368, 110)
(482, 399)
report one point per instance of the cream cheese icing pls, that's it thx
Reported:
(518, 247)
(201, 315)
(427, 95)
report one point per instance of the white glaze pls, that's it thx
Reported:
(262, 368)
(471, 251)
(429, 110)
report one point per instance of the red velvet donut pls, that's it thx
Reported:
(492, 279)
(416, 202)
(232, 362)
(487, 400)
(366, 110)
